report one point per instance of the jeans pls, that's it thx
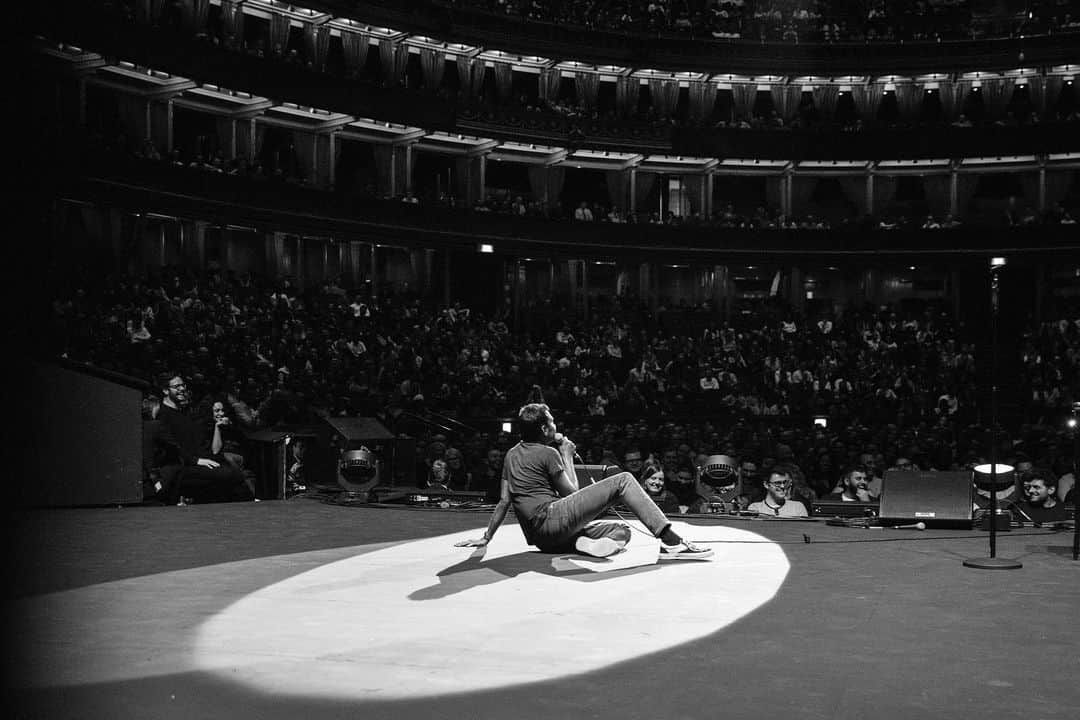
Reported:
(570, 517)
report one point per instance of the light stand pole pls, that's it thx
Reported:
(993, 562)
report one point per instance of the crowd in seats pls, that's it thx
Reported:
(796, 21)
(675, 382)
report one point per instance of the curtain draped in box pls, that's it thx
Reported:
(702, 100)
(433, 65)
(786, 99)
(867, 99)
(743, 95)
(627, 90)
(317, 44)
(351, 46)
(279, 34)
(587, 88)
(825, 98)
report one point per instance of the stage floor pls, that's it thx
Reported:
(301, 609)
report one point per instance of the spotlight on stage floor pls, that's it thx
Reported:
(995, 476)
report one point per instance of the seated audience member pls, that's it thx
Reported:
(652, 479)
(1040, 503)
(633, 461)
(159, 472)
(681, 484)
(855, 486)
(227, 442)
(201, 477)
(776, 502)
(438, 476)
(488, 474)
(457, 477)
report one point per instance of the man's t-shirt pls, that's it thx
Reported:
(1037, 513)
(530, 470)
(792, 508)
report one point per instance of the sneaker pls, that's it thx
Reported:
(684, 551)
(600, 547)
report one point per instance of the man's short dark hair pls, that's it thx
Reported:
(1040, 474)
(163, 379)
(532, 419)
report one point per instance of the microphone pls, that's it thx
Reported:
(913, 526)
(560, 439)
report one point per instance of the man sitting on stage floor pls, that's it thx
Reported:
(1040, 504)
(776, 502)
(555, 516)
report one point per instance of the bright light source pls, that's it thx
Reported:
(486, 248)
(821, 422)
(507, 426)
(997, 262)
(1071, 422)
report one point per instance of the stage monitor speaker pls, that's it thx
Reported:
(395, 456)
(83, 441)
(589, 474)
(939, 499)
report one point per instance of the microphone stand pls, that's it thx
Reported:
(993, 562)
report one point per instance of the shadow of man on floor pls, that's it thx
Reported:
(474, 571)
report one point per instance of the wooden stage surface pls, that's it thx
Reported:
(304, 609)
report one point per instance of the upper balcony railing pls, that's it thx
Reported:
(994, 43)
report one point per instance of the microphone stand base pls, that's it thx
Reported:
(994, 563)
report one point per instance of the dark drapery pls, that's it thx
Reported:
(352, 45)
(785, 100)
(433, 66)
(854, 189)
(665, 96)
(966, 185)
(587, 87)
(616, 187)
(627, 90)
(550, 80)
(909, 97)
(504, 79)
(743, 95)
(825, 97)
(643, 187)
(279, 33)
(232, 17)
(996, 96)
(884, 192)
(317, 44)
(1058, 185)
(867, 99)
(195, 14)
(148, 12)
(938, 191)
(702, 101)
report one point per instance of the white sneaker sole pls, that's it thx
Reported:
(601, 547)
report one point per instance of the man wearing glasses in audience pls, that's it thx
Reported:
(776, 502)
(633, 462)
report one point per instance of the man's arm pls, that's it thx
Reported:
(566, 482)
(497, 517)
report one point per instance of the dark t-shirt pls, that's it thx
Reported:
(1039, 514)
(530, 470)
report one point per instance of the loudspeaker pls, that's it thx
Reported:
(589, 474)
(939, 499)
(83, 439)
